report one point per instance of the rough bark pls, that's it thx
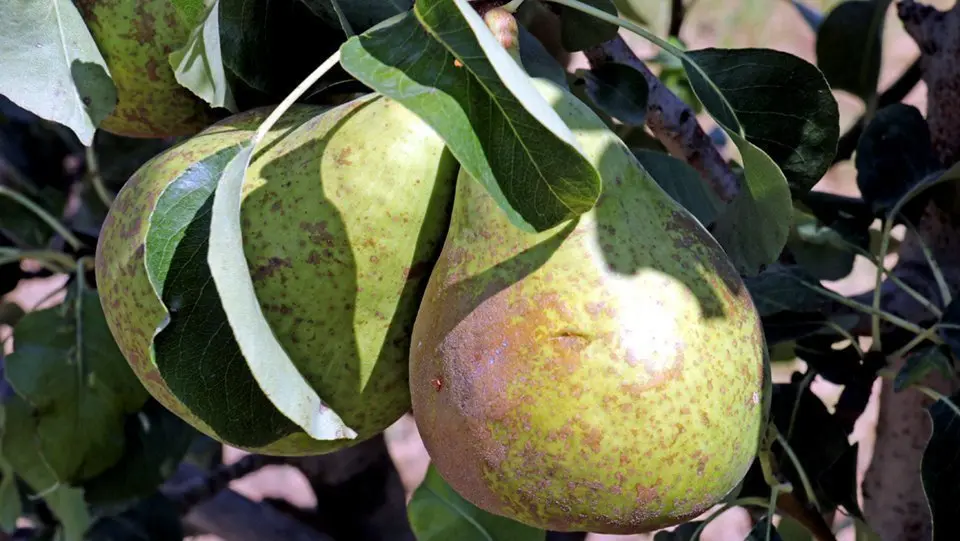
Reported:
(673, 122)
(894, 502)
(669, 118)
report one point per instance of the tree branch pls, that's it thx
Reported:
(188, 494)
(673, 122)
(229, 515)
(894, 500)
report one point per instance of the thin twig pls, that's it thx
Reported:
(672, 121)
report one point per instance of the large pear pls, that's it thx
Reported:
(607, 375)
(344, 213)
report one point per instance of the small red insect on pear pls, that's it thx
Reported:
(437, 383)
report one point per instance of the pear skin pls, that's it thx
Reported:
(136, 38)
(608, 375)
(344, 213)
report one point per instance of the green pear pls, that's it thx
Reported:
(608, 375)
(136, 38)
(344, 214)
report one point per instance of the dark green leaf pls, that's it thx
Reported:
(52, 67)
(438, 513)
(783, 104)
(496, 124)
(838, 366)
(919, 364)
(537, 61)
(360, 14)
(274, 372)
(781, 288)
(619, 91)
(895, 152)
(178, 239)
(778, 111)
(24, 227)
(849, 44)
(198, 65)
(683, 183)
(820, 250)
(579, 31)
(157, 441)
(760, 529)
(940, 469)
(272, 46)
(820, 442)
(155, 518)
(67, 365)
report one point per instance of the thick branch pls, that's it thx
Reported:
(229, 515)
(673, 122)
(894, 501)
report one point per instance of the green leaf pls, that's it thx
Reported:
(820, 250)
(275, 373)
(493, 120)
(919, 364)
(438, 513)
(176, 249)
(779, 112)
(11, 506)
(68, 367)
(683, 183)
(754, 227)
(781, 288)
(157, 440)
(849, 44)
(198, 65)
(619, 91)
(782, 103)
(21, 447)
(894, 154)
(792, 530)
(52, 67)
(579, 31)
(940, 469)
